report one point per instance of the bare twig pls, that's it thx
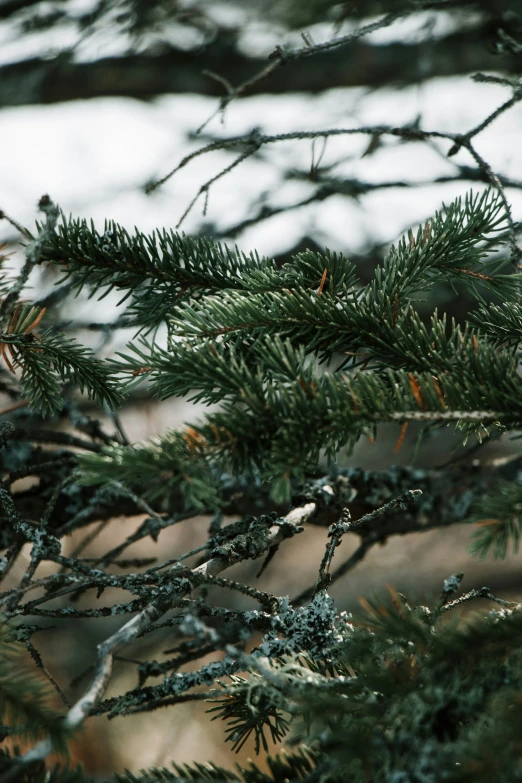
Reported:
(281, 56)
(346, 525)
(133, 628)
(482, 592)
(257, 139)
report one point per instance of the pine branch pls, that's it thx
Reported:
(42, 356)
(281, 412)
(247, 712)
(56, 353)
(499, 522)
(159, 271)
(501, 324)
(389, 693)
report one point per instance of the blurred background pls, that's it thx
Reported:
(98, 99)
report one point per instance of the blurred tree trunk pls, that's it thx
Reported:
(146, 75)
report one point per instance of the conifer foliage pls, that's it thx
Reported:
(300, 361)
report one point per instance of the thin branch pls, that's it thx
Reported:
(347, 525)
(206, 186)
(482, 592)
(497, 184)
(259, 139)
(133, 628)
(281, 56)
(37, 658)
(359, 554)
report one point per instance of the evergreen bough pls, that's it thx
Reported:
(303, 360)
